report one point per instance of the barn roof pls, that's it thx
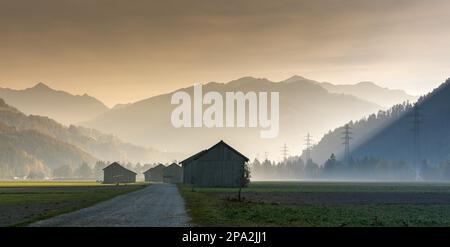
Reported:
(115, 164)
(174, 165)
(159, 166)
(193, 157)
(201, 153)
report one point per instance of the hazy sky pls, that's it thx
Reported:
(121, 51)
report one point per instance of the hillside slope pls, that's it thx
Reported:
(364, 90)
(389, 134)
(53, 144)
(24, 152)
(59, 105)
(304, 107)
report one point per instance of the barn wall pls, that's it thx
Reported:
(172, 174)
(218, 173)
(219, 167)
(110, 175)
(155, 174)
(129, 178)
(187, 173)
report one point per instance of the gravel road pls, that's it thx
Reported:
(155, 205)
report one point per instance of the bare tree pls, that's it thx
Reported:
(245, 180)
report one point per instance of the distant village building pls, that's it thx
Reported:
(173, 174)
(154, 174)
(219, 166)
(115, 173)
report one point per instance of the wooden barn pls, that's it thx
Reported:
(115, 173)
(154, 174)
(173, 174)
(219, 166)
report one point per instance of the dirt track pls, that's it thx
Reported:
(155, 205)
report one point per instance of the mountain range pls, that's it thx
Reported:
(26, 150)
(367, 90)
(406, 132)
(59, 105)
(305, 106)
(37, 143)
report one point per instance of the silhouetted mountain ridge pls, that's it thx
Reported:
(147, 122)
(59, 105)
(366, 90)
(390, 134)
(27, 151)
(52, 144)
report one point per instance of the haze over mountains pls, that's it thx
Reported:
(26, 150)
(370, 91)
(59, 105)
(390, 134)
(40, 144)
(305, 106)
(366, 90)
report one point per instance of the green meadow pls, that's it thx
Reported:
(328, 204)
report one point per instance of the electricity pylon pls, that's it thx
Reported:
(308, 143)
(416, 122)
(347, 136)
(284, 152)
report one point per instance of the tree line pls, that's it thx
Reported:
(367, 168)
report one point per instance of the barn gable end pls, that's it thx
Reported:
(115, 173)
(173, 174)
(155, 174)
(219, 166)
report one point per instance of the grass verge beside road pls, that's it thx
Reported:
(23, 203)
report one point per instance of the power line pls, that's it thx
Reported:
(284, 152)
(416, 122)
(347, 136)
(308, 143)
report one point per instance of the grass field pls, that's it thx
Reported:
(25, 202)
(277, 186)
(12, 184)
(321, 204)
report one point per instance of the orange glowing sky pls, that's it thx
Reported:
(123, 51)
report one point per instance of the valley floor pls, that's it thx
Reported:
(24, 202)
(263, 204)
(321, 204)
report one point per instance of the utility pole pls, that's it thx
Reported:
(347, 136)
(284, 152)
(308, 143)
(416, 122)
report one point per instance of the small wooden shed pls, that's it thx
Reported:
(155, 174)
(173, 174)
(115, 173)
(219, 166)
